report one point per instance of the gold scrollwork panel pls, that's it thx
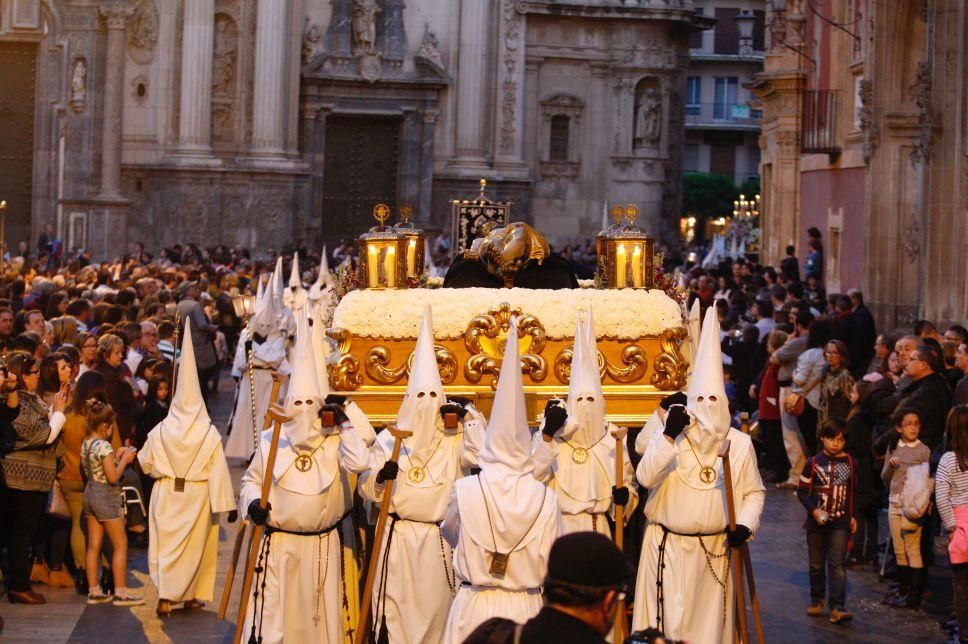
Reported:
(378, 367)
(670, 367)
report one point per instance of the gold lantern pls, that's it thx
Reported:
(382, 254)
(414, 243)
(617, 213)
(626, 255)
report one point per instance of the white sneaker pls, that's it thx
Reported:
(128, 600)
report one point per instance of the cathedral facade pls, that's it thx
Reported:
(260, 122)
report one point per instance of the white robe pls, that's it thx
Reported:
(517, 595)
(182, 528)
(266, 357)
(693, 600)
(584, 490)
(302, 599)
(421, 583)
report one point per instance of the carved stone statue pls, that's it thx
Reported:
(311, 43)
(79, 81)
(430, 48)
(364, 26)
(648, 119)
(223, 61)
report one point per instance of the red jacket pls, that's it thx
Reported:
(770, 389)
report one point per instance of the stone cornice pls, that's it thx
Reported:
(612, 12)
(116, 15)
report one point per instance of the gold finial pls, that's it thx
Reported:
(406, 212)
(381, 212)
(483, 185)
(617, 213)
(632, 212)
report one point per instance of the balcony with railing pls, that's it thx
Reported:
(818, 125)
(722, 116)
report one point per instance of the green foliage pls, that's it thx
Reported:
(708, 195)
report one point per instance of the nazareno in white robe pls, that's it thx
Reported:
(300, 592)
(420, 583)
(516, 595)
(182, 529)
(693, 606)
(267, 357)
(584, 490)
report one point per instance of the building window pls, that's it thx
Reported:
(725, 96)
(727, 34)
(693, 95)
(690, 157)
(558, 144)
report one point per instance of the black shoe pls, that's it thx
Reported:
(107, 581)
(80, 582)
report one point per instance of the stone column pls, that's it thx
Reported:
(471, 91)
(116, 17)
(269, 94)
(195, 117)
(429, 117)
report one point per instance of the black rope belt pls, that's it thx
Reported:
(397, 517)
(316, 533)
(659, 593)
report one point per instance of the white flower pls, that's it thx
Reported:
(621, 314)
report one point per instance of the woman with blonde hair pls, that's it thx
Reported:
(65, 331)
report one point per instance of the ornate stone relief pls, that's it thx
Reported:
(654, 53)
(648, 119)
(789, 143)
(922, 97)
(509, 87)
(429, 50)
(866, 116)
(143, 32)
(224, 81)
(78, 98)
(621, 86)
(912, 239)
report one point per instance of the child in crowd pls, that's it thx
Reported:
(951, 495)
(905, 533)
(826, 490)
(103, 503)
(868, 490)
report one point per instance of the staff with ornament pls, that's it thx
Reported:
(501, 522)
(575, 451)
(298, 594)
(415, 581)
(184, 454)
(263, 351)
(684, 585)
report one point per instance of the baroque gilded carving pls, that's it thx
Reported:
(485, 339)
(143, 32)
(634, 361)
(670, 367)
(377, 364)
(344, 371)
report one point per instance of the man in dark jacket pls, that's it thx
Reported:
(790, 265)
(866, 331)
(928, 393)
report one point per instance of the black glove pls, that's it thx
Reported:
(453, 408)
(475, 471)
(388, 472)
(233, 516)
(460, 400)
(620, 495)
(554, 419)
(334, 399)
(677, 398)
(738, 536)
(338, 414)
(258, 514)
(676, 421)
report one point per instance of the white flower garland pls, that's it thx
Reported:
(623, 314)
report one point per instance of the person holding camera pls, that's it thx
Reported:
(30, 468)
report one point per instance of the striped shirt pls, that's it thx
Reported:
(907, 454)
(950, 488)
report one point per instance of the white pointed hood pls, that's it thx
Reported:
(302, 396)
(324, 280)
(187, 429)
(321, 351)
(586, 402)
(260, 302)
(294, 295)
(265, 321)
(706, 394)
(420, 409)
(692, 346)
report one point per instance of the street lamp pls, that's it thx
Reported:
(244, 305)
(744, 22)
(744, 208)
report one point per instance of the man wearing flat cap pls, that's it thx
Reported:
(586, 577)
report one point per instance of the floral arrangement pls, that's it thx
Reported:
(621, 314)
(671, 285)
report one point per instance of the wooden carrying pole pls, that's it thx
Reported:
(740, 562)
(243, 527)
(277, 420)
(619, 629)
(362, 630)
(744, 419)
